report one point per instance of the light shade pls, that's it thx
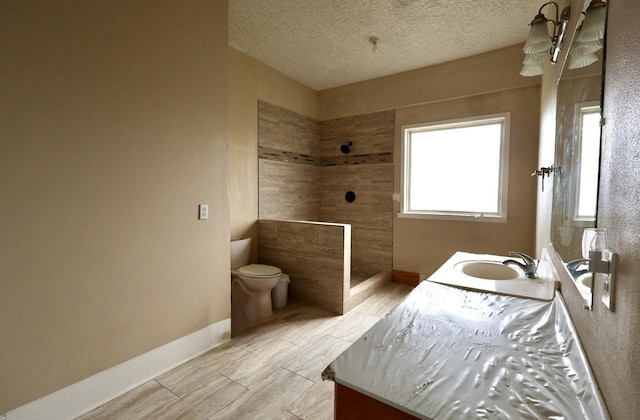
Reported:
(590, 34)
(586, 47)
(594, 21)
(529, 70)
(578, 61)
(535, 58)
(534, 64)
(539, 40)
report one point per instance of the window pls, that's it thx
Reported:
(456, 169)
(588, 151)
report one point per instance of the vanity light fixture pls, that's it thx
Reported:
(590, 36)
(541, 44)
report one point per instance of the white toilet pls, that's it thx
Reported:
(251, 284)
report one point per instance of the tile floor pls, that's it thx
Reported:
(272, 372)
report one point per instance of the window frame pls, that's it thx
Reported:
(573, 216)
(503, 183)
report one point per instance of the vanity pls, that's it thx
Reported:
(451, 352)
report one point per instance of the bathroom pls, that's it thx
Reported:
(112, 264)
(298, 172)
(420, 247)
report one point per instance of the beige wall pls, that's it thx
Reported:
(452, 90)
(250, 81)
(114, 128)
(490, 72)
(610, 339)
(423, 245)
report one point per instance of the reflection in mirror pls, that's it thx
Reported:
(577, 158)
(587, 147)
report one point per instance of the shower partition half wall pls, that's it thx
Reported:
(337, 171)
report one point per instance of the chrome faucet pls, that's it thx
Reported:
(530, 265)
(578, 267)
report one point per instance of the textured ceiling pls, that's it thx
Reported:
(325, 43)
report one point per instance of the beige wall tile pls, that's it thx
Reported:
(369, 133)
(293, 191)
(288, 191)
(313, 255)
(281, 129)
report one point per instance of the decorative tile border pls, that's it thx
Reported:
(285, 156)
(363, 159)
(276, 155)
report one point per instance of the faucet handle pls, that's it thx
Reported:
(527, 259)
(530, 265)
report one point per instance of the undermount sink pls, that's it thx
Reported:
(487, 270)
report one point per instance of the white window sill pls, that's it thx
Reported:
(461, 217)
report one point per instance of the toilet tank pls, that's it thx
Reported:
(240, 251)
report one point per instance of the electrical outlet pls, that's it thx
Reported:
(204, 212)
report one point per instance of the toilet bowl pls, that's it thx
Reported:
(259, 276)
(251, 284)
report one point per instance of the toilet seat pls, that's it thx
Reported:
(259, 271)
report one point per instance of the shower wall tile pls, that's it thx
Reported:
(368, 172)
(304, 176)
(281, 129)
(370, 215)
(369, 133)
(328, 276)
(288, 191)
(316, 256)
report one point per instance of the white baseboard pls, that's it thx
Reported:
(84, 396)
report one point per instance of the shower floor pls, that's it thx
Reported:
(364, 285)
(357, 278)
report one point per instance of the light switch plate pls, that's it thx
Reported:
(203, 212)
(608, 280)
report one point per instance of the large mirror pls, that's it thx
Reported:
(577, 157)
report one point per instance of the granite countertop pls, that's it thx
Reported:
(449, 353)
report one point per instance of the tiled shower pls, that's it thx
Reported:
(304, 175)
